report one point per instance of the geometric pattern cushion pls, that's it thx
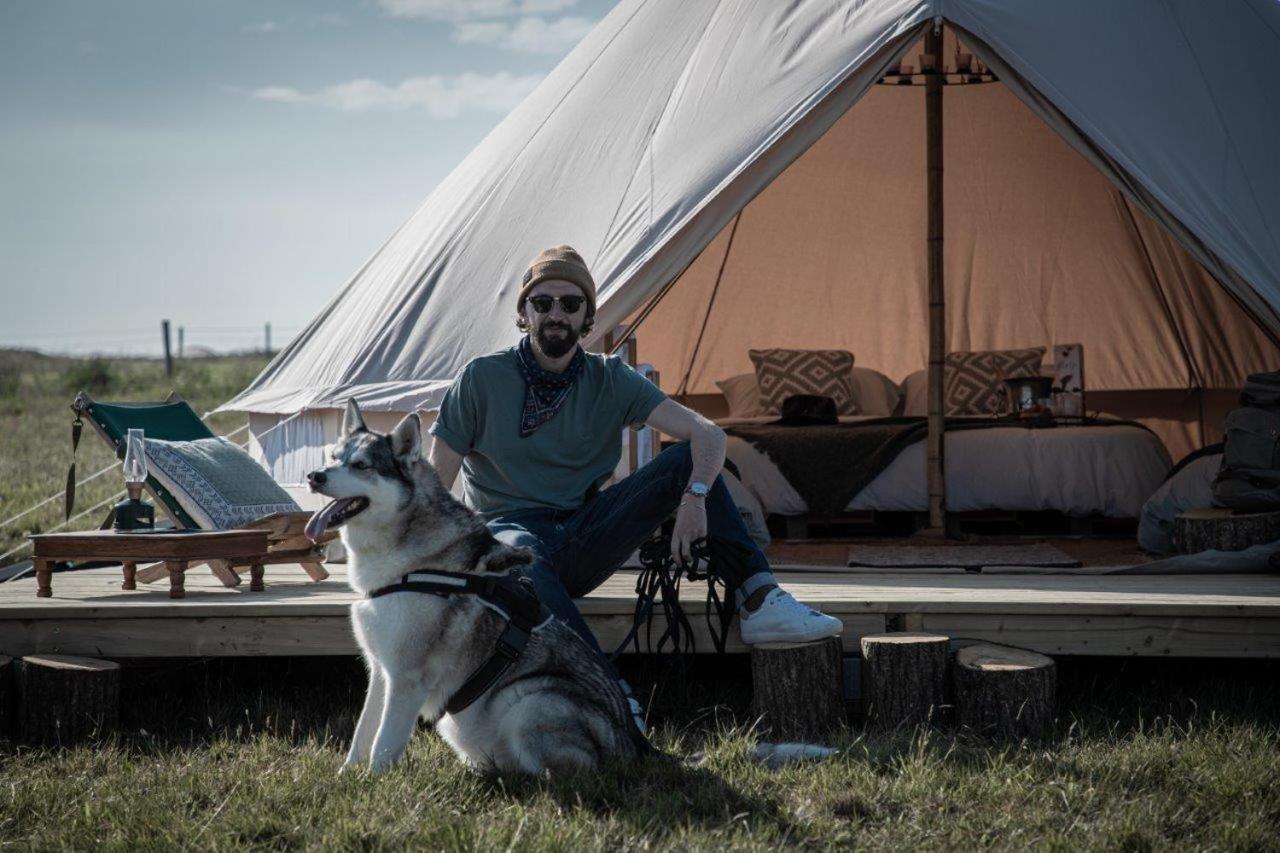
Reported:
(973, 382)
(215, 482)
(781, 373)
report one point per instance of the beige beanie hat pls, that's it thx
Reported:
(558, 262)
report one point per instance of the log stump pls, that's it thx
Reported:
(797, 688)
(7, 698)
(1004, 693)
(1218, 529)
(64, 699)
(904, 678)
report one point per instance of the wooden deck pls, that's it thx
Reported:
(1172, 615)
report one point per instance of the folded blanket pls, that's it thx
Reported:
(829, 465)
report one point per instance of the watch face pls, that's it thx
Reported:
(700, 489)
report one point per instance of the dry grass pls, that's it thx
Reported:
(35, 424)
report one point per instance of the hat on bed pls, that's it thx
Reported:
(561, 263)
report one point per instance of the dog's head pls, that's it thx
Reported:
(371, 473)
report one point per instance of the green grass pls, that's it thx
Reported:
(35, 425)
(1149, 755)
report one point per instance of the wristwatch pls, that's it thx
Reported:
(698, 490)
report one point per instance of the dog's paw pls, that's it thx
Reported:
(504, 557)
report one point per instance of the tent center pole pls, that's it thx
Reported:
(937, 297)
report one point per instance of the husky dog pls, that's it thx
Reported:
(554, 707)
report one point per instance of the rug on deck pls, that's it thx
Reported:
(969, 557)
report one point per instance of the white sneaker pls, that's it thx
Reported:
(782, 619)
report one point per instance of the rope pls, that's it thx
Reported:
(53, 498)
(658, 586)
(58, 527)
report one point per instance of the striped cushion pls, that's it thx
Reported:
(782, 373)
(974, 381)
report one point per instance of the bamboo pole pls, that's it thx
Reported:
(937, 297)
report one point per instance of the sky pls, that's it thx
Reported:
(229, 164)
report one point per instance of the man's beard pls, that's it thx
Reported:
(555, 347)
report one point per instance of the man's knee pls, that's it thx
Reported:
(677, 460)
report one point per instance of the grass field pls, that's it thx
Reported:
(230, 754)
(1149, 755)
(35, 425)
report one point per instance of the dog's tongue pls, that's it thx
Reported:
(319, 523)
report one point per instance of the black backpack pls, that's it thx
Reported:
(1250, 475)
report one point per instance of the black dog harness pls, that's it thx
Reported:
(513, 601)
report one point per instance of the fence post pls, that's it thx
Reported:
(168, 356)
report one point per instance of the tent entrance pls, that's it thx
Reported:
(1040, 248)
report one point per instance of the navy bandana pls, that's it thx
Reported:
(544, 391)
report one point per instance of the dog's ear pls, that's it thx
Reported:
(406, 438)
(352, 420)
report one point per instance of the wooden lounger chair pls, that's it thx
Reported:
(175, 420)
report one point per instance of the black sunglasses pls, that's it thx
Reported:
(570, 304)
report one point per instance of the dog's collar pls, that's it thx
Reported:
(513, 601)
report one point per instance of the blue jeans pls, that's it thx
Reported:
(577, 550)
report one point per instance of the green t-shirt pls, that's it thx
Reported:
(555, 466)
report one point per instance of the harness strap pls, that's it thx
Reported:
(520, 608)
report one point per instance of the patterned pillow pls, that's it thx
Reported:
(781, 373)
(973, 381)
(215, 482)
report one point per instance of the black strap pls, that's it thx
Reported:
(510, 645)
(515, 602)
(659, 586)
(69, 497)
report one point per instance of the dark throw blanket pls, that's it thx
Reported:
(829, 465)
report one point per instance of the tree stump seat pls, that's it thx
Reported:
(796, 688)
(904, 678)
(1003, 692)
(1221, 529)
(63, 699)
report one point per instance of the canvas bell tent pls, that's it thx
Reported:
(736, 177)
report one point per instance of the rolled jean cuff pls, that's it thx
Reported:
(751, 584)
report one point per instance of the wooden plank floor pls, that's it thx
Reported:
(1192, 615)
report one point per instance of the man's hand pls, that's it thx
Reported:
(691, 525)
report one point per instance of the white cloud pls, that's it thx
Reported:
(440, 96)
(471, 10)
(528, 35)
(264, 27)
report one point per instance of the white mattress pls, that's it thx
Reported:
(1109, 471)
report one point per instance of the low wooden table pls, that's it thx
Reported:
(176, 550)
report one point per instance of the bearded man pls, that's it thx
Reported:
(535, 431)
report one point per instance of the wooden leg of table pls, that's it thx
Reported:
(44, 578)
(130, 575)
(177, 572)
(255, 578)
(315, 571)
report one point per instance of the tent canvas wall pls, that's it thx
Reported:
(643, 146)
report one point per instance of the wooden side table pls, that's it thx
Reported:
(175, 550)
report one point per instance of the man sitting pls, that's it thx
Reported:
(535, 430)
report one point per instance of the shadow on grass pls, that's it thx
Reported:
(657, 795)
